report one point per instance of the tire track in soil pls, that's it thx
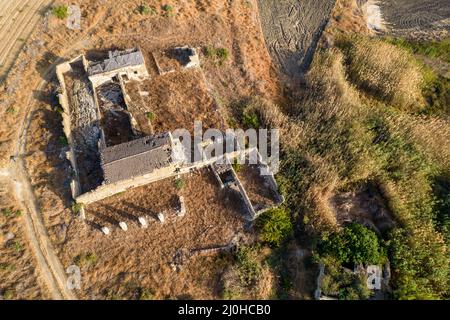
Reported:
(421, 17)
(17, 21)
(48, 264)
(292, 30)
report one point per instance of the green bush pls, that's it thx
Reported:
(248, 265)
(146, 294)
(150, 116)
(8, 294)
(76, 207)
(145, 9)
(6, 267)
(275, 226)
(419, 263)
(432, 49)
(354, 244)
(8, 212)
(343, 283)
(18, 247)
(222, 54)
(168, 9)
(218, 55)
(250, 120)
(236, 165)
(60, 11)
(63, 141)
(179, 184)
(85, 259)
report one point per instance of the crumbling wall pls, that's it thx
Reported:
(131, 72)
(63, 98)
(245, 197)
(108, 190)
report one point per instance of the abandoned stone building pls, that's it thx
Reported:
(107, 151)
(129, 64)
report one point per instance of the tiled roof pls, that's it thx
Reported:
(117, 60)
(136, 157)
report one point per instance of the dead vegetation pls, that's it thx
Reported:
(175, 100)
(19, 278)
(385, 71)
(246, 71)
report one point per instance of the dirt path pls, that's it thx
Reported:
(417, 18)
(48, 264)
(292, 29)
(17, 20)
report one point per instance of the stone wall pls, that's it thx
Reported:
(63, 98)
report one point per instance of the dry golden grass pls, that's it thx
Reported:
(291, 132)
(385, 71)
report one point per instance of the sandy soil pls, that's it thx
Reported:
(17, 20)
(366, 206)
(292, 30)
(421, 19)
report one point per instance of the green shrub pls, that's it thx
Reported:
(145, 9)
(168, 9)
(275, 226)
(150, 116)
(210, 52)
(7, 212)
(250, 120)
(146, 294)
(230, 294)
(342, 283)
(179, 184)
(431, 49)
(236, 165)
(6, 267)
(60, 11)
(63, 141)
(355, 244)
(18, 247)
(76, 207)
(222, 54)
(218, 55)
(8, 294)
(419, 263)
(85, 259)
(248, 265)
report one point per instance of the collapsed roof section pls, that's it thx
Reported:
(136, 157)
(117, 60)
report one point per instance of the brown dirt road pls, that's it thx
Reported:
(48, 265)
(17, 20)
(292, 30)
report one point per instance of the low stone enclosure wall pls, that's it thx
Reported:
(177, 166)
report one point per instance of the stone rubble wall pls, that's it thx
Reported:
(63, 98)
